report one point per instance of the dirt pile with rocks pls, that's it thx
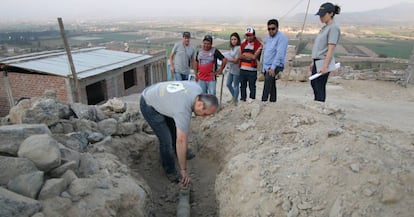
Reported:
(352, 156)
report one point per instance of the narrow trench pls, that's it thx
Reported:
(164, 195)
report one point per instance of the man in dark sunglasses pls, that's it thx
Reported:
(274, 57)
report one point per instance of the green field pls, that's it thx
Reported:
(389, 48)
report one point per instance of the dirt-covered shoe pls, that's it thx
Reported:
(231, 101)
(173, 177)
(190, 154)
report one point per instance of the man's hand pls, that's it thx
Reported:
(185, 178)
(248, 56)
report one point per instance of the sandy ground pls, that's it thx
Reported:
(351, 156)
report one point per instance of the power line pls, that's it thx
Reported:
(293, 8)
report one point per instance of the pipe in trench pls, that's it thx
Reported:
(183, 207)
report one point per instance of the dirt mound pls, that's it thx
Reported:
(297, 157)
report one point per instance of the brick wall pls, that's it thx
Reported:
(31, 85)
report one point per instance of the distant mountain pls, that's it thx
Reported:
(398, 14)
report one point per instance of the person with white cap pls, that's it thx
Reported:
(324, 48)
(250, 50)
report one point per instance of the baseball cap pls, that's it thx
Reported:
(250, 31)
(186, 35)
(325, 8)
(208, 38)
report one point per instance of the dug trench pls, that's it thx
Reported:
(164, 195)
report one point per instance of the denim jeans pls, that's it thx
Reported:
(165, 130)
(233, 85)
(180, 76)
(250, 77)
(208, 86)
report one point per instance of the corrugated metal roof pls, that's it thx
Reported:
(88, 62)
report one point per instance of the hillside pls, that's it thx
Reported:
(399, 14)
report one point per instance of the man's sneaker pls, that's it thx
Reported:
(173, 177)
(250, 100)
(190, 154)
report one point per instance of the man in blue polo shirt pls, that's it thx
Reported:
(274, 57)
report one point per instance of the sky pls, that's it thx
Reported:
(119, 9)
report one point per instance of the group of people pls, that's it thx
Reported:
(242, 62)
(168, 106)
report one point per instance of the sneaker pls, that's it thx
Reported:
(231, 101)
(250, 100)
(190, 154)
(173, 177)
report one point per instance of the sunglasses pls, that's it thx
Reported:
(273, 29)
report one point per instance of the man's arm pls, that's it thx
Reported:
(172, 62)
(195, 67)
(220, 56)
(181, 146)
(281, 49)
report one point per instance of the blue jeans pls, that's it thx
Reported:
(180, 76)
(208, 86)
(250, 77)
(233, 85)
(165, 130)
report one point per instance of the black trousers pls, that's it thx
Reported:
(319, 85)
(270, 86)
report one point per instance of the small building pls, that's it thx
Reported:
(101, 74)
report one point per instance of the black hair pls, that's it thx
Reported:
(209, 100)
(337, 10)
(235, 34)
(274, 22)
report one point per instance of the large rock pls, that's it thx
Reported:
(129, 199)
(12, 204)
(88, 112)
(52, 188)
(45, 110)
(13, 135)
(27, 185)
(11, 167)
(43, 150)
(108, 126)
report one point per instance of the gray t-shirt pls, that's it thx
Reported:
(183, 55)
(234, 67)
(174, 99)
(329, 34)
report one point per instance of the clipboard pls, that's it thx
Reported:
(331, 67)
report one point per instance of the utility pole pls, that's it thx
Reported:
(76, 89)
(303, 27)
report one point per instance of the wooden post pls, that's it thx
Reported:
(76, 90)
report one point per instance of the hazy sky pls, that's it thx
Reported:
(93, 9)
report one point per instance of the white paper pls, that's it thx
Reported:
(331, 67)
(335, 67)
(314, 76)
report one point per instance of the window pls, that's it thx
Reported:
(130, 78)
(96, 92)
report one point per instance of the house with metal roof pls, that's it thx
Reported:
(96, 75)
